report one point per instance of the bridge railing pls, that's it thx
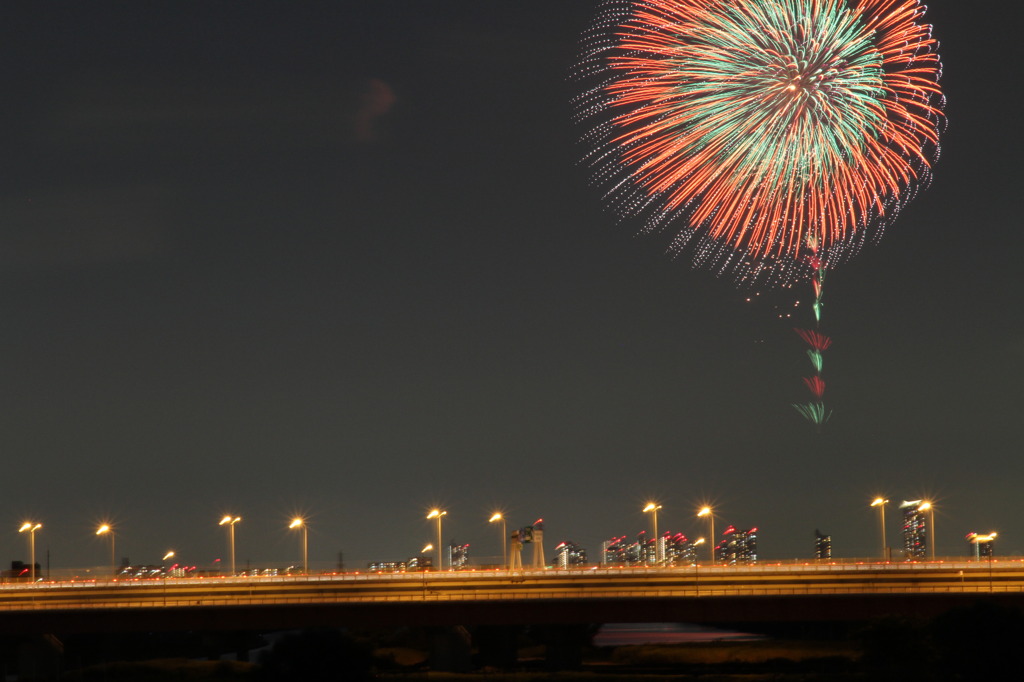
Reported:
(429, 595)
(774, 568)
(85, 577)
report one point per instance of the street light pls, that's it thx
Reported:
(31, 529)
(230, 522)
(169, 555)
(930, 508)
(653, 508)
(710, 513)
(437, 514)
(300, 523)
(105, 529)
(880, 502)
(497, 516)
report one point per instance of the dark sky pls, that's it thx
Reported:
(339, 258)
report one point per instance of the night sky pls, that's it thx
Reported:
(340, 259)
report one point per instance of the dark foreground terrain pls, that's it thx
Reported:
(975, 643)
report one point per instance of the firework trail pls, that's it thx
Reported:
(815, 411)
(771, 137)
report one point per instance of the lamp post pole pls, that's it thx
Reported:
(31, 529)
(498, 516)
(106, 529)
(710, 513)
(652, 508)
(935, 535)
(930, 508)
(230, 522)
(300, 523)
(880, 502)
(437, 514)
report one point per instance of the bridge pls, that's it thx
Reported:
(738, 596)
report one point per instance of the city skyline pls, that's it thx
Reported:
(912, 541)
(344, 263)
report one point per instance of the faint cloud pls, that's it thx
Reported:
(269, 115)
(375, 101)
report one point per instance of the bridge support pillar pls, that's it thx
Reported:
(497, 645)
(39, 658)
(450, 649)
(237, 643)
(563, 644)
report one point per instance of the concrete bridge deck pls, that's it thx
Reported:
(702, 594)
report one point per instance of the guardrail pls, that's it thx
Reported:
(208, 601)
(707, 569)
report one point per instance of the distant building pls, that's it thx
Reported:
(822, 546)
(676, 548)
(416, 563)
(152, 571)
(982, 546)
(620, 552)
(915, 530)
(679, 550)
(613, 552)
(737, 547)
(458, 556)
(20, 570)
(568, 554)
(644, 551)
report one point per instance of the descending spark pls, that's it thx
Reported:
(816, 340)
(816, 385)
(816, 360)
(814, 413)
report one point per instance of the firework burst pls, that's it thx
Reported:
(753, 128)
